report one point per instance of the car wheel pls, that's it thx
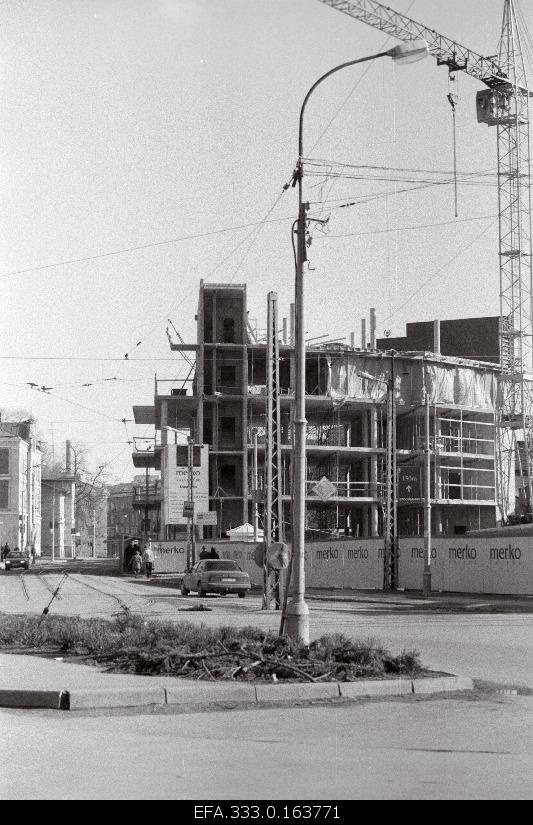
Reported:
(184, 591)
(242, 594)
(201, 591)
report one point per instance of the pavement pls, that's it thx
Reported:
(480, 637)
(30, 681)
(461, 746)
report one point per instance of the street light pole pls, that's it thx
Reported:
(297, 616)
(426, 582)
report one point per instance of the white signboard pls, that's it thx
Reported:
(209, 518)
(176, 483)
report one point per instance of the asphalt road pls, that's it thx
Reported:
(454, 748)
(492, 647)
(464, 747)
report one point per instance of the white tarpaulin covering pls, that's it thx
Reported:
(458, 385)
(510, 398)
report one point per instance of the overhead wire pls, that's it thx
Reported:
(331, 236)
(100, 255)
(439, 271)
(253, 235)
(355, 87)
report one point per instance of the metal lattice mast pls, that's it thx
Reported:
(273, 519)
(512, 101)
(391, 506)
(505, 105)
(511, 104)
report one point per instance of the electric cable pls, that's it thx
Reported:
(441, 269)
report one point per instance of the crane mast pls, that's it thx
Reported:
(505, 105)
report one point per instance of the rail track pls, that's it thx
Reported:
(24, 587)
(51, 589)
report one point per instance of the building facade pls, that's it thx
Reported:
(225, 401)
(133, 510)
(20, 486)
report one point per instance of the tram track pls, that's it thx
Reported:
(24, 587)
(51, 589)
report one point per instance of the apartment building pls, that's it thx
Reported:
(132, 507)
(225, 400)
(20, 485)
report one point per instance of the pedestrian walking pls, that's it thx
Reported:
(136, 563)
(129, 552)
(149, 559)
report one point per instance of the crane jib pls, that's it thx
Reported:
(447, 51)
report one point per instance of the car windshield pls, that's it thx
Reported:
(221, 565)
(14, 554)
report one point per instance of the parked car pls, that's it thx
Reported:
(17, 558)
(216, 576)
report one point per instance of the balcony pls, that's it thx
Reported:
(143, 496)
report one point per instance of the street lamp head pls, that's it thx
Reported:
(410, 51)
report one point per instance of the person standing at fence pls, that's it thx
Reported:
(136, 562)
(149, 559)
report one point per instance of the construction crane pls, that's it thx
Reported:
(505, 105)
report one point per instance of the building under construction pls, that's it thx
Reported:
(367, 414)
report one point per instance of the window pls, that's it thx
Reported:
(221, 565)
(4, 495)
(227, 376)
(227, 429)
(228, 479)
(228, 331)
(4, 461)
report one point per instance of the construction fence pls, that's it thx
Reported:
(495, 565)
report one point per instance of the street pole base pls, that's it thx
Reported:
(426, 582)
(297, 621)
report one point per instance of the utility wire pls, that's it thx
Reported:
(101, 255)
(439, 272)
(257, 228)
(356, 86)
(405, 228)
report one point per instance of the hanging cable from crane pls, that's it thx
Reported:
(453, 99)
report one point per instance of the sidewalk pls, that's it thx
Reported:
(33, 682)
(413, 601)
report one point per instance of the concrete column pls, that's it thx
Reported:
(374, 520)
(72, 517)
(436, 516)
(244, 413)
(365, 474)
(436, 337)
(373, 325)
(164, 423)
(61, 526)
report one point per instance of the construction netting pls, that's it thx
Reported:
(510, 401)
(360, 377)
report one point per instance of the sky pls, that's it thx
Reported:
(144, 142)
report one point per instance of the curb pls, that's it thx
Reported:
(42, 699)
(259, 694)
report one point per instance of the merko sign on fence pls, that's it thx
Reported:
(499, 564)
(461, 565)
